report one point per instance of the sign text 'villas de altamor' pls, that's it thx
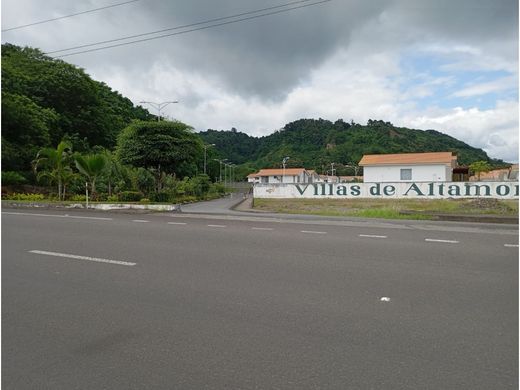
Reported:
(499, 190)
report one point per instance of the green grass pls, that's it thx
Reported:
(389, 208)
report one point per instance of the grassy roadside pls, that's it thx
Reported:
(390, 208)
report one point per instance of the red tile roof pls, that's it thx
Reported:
(280, 171)
(408, 158)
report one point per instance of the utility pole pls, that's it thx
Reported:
(159, 107)
(205, 152)
(332, 169)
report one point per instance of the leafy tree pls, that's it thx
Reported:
(480, 166)
(26, 127)
(45, 100)
(92, 167)
(54, 165)
(159, 146)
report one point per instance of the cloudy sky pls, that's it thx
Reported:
(448, 65)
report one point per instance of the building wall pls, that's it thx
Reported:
(392, 173)
(420, 190)
(302, 178)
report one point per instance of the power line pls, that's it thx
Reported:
(179, 27)
(68, 16)
(191, 30)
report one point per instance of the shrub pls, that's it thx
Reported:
(130, 196)
(112, 198)
(163, 196)
(10, 178)
(78, 198)
(28, 197)
(144, 200)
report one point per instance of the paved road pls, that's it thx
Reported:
(216, 206)
(216, 302)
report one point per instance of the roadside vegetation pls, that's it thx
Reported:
(389, 208)
(152, 162)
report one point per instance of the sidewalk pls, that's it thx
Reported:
(247, 206)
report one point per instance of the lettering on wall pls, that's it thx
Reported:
(499, 190)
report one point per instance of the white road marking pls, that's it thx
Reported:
(313, 232)
(217, 226)
(258, 228)
(447, 241)
(58, 216)
(511, 245)
(372, 236)
(385, 299)
(140, 220)
(78, 217)
(176, 223)
(96, 259)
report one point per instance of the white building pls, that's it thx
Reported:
(417, 167)
(278, 176)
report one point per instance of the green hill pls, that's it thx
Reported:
(315, 144)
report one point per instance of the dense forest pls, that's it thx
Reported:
(314, 144)
(46, 101)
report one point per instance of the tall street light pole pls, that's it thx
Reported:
(220, 169)
(159, 107)
(284, 161)
(205, 152)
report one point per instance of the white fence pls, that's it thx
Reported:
(421, 190)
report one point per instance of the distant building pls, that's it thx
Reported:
(505, 174)
(437, 166)
(279, 176)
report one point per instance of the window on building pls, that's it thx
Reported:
(406, 174)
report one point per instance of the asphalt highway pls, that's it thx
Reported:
(173, 301)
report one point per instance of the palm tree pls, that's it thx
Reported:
(92, 166)
(55, 165)
(113, 171)
(480, 166)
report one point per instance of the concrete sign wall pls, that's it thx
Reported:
(421, 190)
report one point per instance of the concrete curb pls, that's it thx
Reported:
(94, 206)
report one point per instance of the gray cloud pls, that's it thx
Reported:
(265, 57)
(338, 59)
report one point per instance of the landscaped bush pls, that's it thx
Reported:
(11, 178)
(163, 197)
(78, 198)
(130, 196)
(28, 197)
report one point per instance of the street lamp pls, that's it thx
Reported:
(220, 169)
(205, 151)
(227, 179)
(332, 171)
(284, 161)
(159, 107)
(353, 165)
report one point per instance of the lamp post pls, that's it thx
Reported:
(332, 170)
(159, 107)
(205, 152)
(284, 161)
(220, 169)
(353, 165)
